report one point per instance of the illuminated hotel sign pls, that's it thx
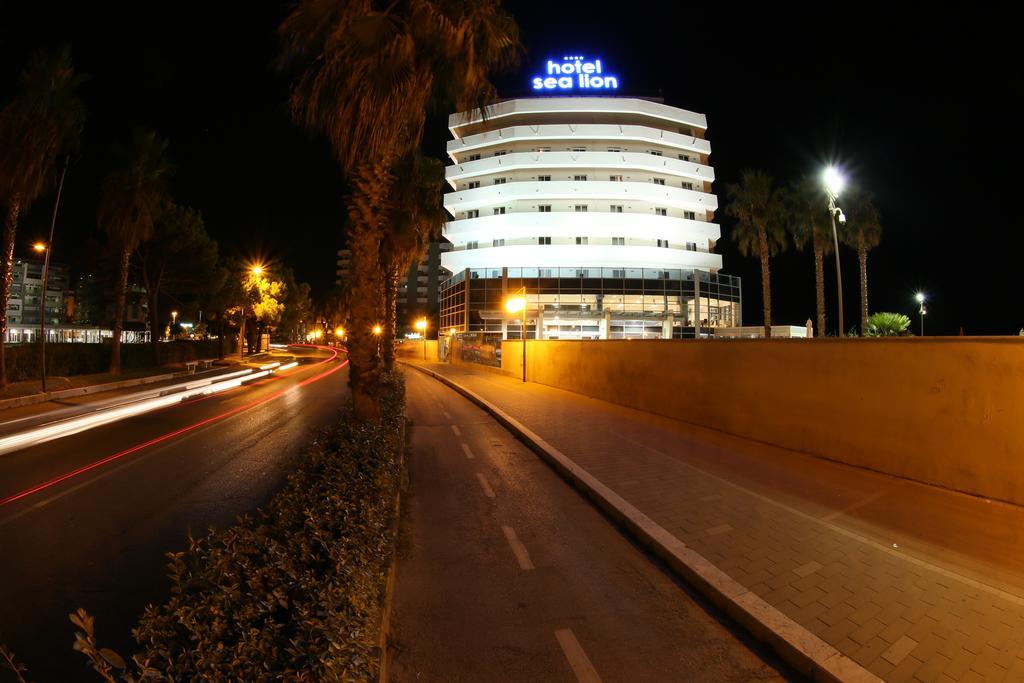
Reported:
(575, 73)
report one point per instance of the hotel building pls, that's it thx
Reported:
(600, 207)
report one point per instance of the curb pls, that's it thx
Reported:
(799, 647)
(383, 670)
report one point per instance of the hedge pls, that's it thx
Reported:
(63, 360)
(293, 592)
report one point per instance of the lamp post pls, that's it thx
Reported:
(421, 325)
(920, 298)
(39, 247)
(833, 186)
(514, 305)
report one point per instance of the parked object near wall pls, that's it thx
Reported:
(944, 411)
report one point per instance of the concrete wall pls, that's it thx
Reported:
(413, 348)
(946, 411)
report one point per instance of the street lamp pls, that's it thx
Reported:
(421, 325)
(41, 247)
(515, 305)
(257, 270)
(834, 183)
(920, 298)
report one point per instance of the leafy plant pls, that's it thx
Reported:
(888, 325)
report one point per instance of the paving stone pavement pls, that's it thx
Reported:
(910, 581)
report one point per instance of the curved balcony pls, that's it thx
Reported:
(626, 106)
(571, 224)
(539, 161)
(583, 190)
(584, 255)
(578, 133)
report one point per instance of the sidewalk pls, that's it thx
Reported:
(909, 581)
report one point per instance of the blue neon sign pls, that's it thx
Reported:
(575, 73)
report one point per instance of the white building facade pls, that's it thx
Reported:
(600, 207)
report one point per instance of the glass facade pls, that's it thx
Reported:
(591, 303)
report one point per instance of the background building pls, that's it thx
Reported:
(26, 288)
(601, 207)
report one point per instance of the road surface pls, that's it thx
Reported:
(507, 574)
(97, 538)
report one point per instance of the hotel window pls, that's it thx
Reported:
(473, 157)
(579, 177)
(543, 240)
(659, 181)
(500, 181)
(615, 178)
(661, 212)
(582, 272)
(616, 208)
(544, 272)
(580, 208)
(472, 245)
(654, 152)
(497, 243)
(686, 131)
(690, 214)
(500, 211)
(577, 149)
(687, 186)
(581, 240)
(544, 208)
(614, 149)
(691, 246)
(683, 157)
(500, 153)
(472, 185)
(619, 272)
(544, 177)
(542, 149)
(473, 213)
(618, 241)
(663, 243)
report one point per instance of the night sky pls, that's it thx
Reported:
(922, 111)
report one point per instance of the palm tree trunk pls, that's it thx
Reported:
(154, 318)
(220, 334)
(122, 292)
(766, 285)
(7, 277)
(371, 184)
(819, 282)
(862, 256)
(390, 314)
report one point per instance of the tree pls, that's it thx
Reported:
(808, 223)
(297, 306)
(178, 257)
(263, 297)
(44, 120)
(130, 198)
(416, 218)
(366, 74)
(863, 232)
(757, 205)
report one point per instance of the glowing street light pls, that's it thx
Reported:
(421, 325)
(39, 247)
(257, 270)
(920, 299)
(514, 305)
(834, 183)
(377, 330)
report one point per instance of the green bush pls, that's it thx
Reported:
(887, 325)
(290, 593)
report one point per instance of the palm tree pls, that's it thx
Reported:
(863, 232)
(43, 120)
(366, 75)
(416, 218)
(132, 193)
(757, 206)
(808, 222)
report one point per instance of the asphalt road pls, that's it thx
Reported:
(97, 539)
(507, 574)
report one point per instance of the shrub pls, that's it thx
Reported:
(888, 325)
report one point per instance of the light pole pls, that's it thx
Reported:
(421, 325)
(514, 305)
(919, 297)
(46, 272)
(833, 186)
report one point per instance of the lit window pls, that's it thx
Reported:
(615, 178)
(542, 149)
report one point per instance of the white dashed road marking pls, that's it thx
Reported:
(455, 428)
(467, 451)
(518, 549)
(488, 491)
(578, 659)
